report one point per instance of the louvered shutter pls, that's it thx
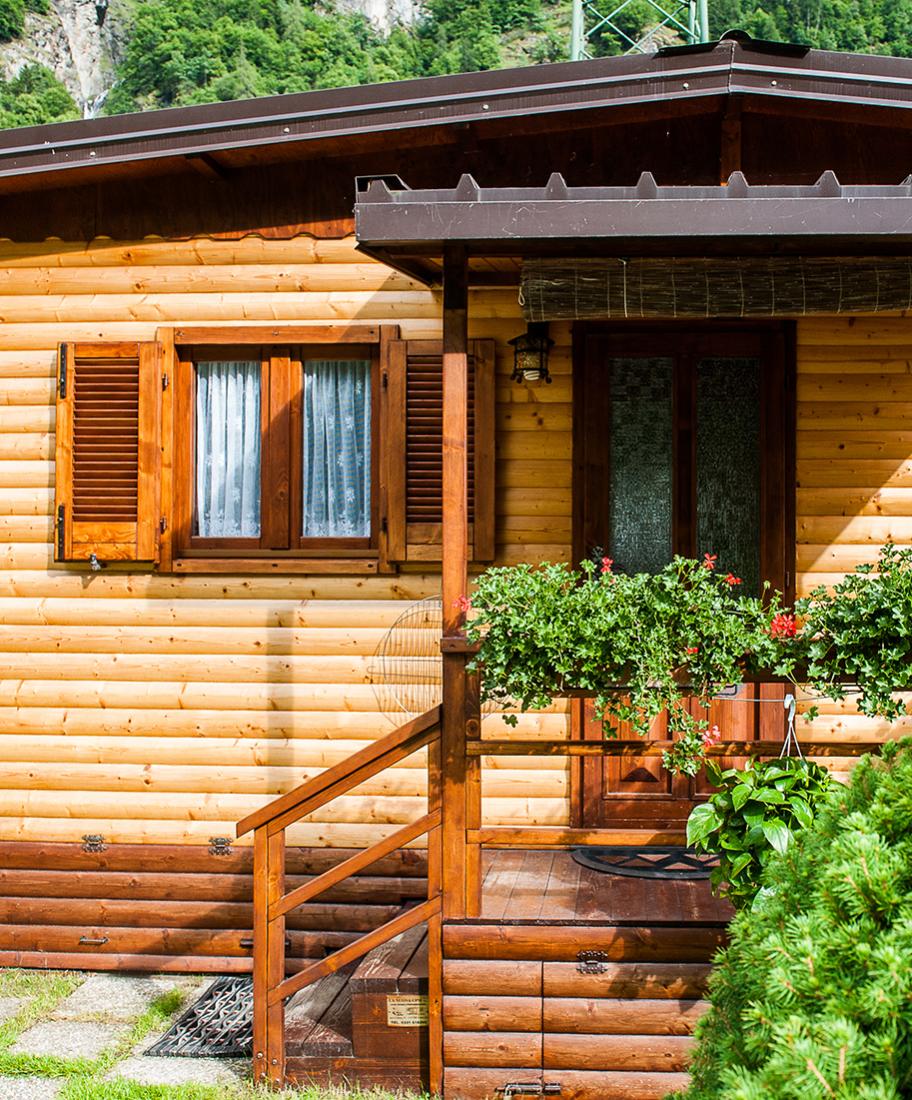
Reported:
(413, 433)
(108, 452)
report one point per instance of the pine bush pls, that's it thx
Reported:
(812, 999)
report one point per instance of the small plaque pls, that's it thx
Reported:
(406, 1010)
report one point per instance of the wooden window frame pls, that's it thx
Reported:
(282, 352)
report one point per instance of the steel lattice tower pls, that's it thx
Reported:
(690, 18)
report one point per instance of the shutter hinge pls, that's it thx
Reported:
(61, 532)
(62, 370)
(163, 524)
(788, 578)
(384, 526)
(165, 381)
(220, 846)
(94, 842)
(386, 381)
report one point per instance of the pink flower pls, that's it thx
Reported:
(731, 580)
(711, 736)
(607, 564)
(709, 561)
(463, 603)
(784, 625)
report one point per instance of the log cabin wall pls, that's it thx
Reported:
(156, 710)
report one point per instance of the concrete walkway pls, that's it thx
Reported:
(100, 1030)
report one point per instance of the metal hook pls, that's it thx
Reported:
(95, 565)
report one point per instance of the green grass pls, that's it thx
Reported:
(85, 1078)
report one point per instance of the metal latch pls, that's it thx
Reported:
(92, 941)
(94, 842)
(592, 962)
(220, 846)
(529, 1088)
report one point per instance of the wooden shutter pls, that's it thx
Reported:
(108, 452)
(413, 446)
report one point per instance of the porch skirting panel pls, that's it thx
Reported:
(695, 288)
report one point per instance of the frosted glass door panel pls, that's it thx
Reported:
(728, 466)
(642, 484)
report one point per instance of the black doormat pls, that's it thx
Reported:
(218, 1025)
(647, 862)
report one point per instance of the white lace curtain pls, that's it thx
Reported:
(337, 449)
(228, 449)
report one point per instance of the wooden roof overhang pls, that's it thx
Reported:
(215, 138)
(409, 230)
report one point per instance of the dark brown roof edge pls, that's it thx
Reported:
(399, 227)
(731, 66)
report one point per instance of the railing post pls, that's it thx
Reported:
(260, 943)
(435, 930)
(473, 795)
(275, 959)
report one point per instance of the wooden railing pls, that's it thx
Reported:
(271, 904)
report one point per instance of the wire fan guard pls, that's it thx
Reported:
(407, 670)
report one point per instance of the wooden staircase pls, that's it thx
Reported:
(366, 1022)
(326, 1031)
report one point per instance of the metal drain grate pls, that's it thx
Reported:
(218, 1025)
(647, 862)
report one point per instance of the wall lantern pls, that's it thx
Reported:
(530, 353)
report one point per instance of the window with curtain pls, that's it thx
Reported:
(228, 449)
(336, 430)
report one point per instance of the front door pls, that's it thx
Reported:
(683, 445)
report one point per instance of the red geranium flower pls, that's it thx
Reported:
(463, 603)
(784, 625)
(709, 561)
(607, 564)
(693, 649)
(731, 580)
(711, 737)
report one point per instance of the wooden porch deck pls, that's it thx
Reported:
(548, 887)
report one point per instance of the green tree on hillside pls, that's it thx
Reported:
(33, 97)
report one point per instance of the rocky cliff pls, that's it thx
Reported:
(79, 41)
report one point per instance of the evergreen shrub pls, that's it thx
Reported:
(813, 997)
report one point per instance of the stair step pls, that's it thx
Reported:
(399, 966)
(318, 1020)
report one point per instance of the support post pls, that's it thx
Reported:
(576, 31)
(473, 796)
(435, 931)
(455, 578)
(260, 954)
(275, 960)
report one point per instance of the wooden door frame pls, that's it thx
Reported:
(591, 411)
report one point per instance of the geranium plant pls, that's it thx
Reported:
(641, 644)
(860, 633)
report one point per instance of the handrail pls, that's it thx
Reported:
(646, 747)
(271, 903)
(341, 777)
(355, 950)
(354, 864)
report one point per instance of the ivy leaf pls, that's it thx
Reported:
(702, 823)
(777, 833)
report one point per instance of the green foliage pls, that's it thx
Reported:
(861, 632)
(754, 813)
(813, 997)
(12, 19)
(33, 97)
(642, 644)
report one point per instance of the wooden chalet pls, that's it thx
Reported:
(257, 394)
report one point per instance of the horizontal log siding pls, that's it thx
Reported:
(854, 475)
(161, 709)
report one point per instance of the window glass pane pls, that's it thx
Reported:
(337, 449)
(641, 503)
(728, 466)
(228, 450)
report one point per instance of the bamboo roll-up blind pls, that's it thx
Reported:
(686, 287)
